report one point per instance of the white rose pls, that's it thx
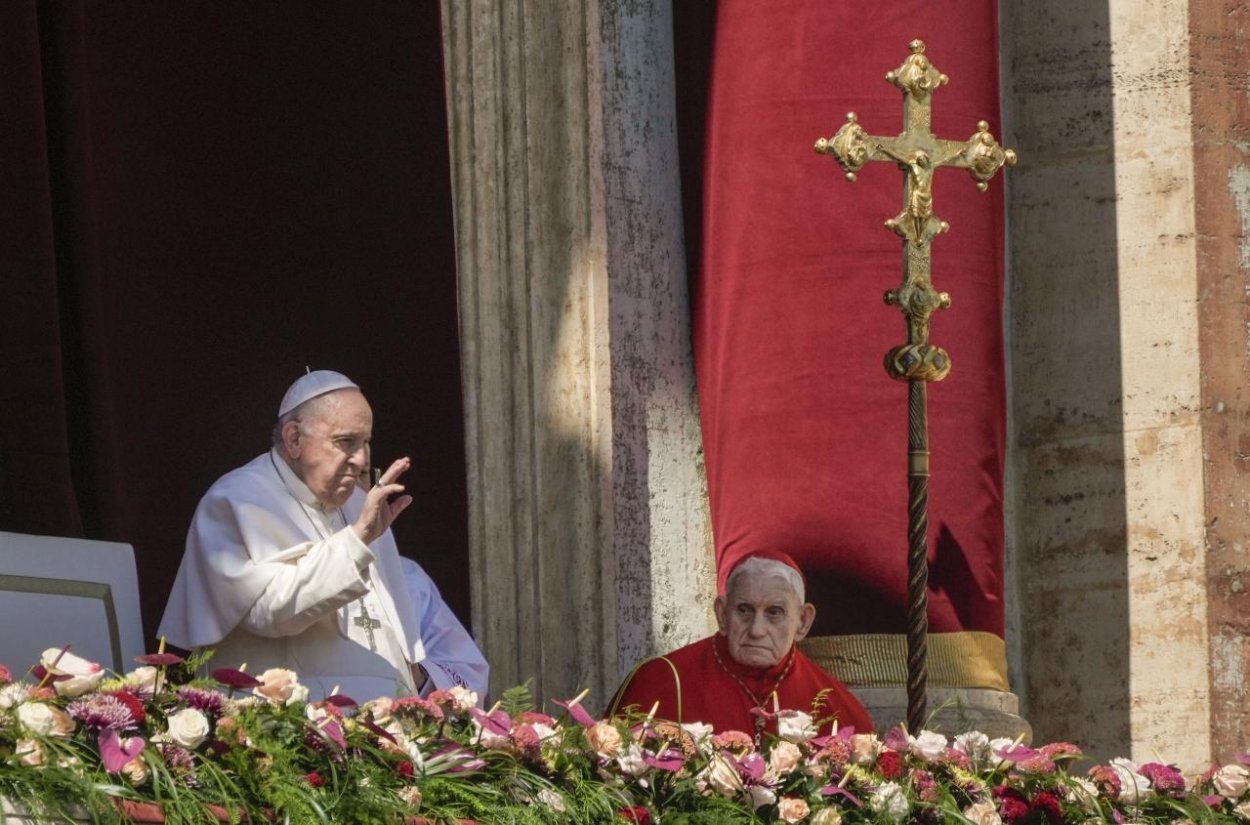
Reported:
(761, 795)
(784, 758)
(631, 762)
(983, 813)
(552, 800)
(142, 679)
(84, 675)
(827, 816)
(698, 731)
(890, 799)
(1243, 810)
(188, 728)
(1231, 781)
(864, 748)
(722, 777)
(792, 809)
(928, 745)
(795, 726)
(35, 717)
(1133, 786)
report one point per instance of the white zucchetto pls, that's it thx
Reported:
(315, 383)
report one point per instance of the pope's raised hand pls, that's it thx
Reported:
(379, 510)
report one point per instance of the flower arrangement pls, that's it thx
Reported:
(78, 742)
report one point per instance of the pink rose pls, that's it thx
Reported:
(792, 809)
(784, 758)
(1231, 781)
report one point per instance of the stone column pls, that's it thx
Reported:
(589, 539)
(1109, 516)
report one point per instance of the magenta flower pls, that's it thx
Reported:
(115, 752)
(159, 659)
(579, 714)
(236, 679)
(671, 760)
(206, 701)
(104, 711)
(1163, 778)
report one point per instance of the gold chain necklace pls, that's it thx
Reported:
(759, 720)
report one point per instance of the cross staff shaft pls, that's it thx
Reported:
(918, 154)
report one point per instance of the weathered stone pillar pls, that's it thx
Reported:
(1128, 365)
(589, 544)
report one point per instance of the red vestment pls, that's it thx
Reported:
(705, 690)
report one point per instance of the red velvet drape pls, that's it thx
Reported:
(197, 199)
(805, 436)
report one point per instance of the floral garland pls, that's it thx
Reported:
(78, 742)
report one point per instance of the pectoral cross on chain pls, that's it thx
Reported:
(369, 623)
(918, 154)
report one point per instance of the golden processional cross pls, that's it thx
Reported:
(918, 154)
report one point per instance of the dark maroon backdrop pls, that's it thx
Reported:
(197, 199)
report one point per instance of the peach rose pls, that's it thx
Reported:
(279, 686)
(792, 809)
(136, 770)
(864, 748)
(604, 739)
(983, 813)
(30, 751)
(827, 816)
(784, 758)
(1231, 781)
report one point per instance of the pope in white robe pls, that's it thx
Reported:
(289, 563)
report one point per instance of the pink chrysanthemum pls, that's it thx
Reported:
(417, 707)
(526, 740)
(104, 711)
(1163, 778)
(1055, 749)
(925, 785)
(1106, 780)
(205, 701)
(1037, 763)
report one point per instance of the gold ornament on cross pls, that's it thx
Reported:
(918, 154)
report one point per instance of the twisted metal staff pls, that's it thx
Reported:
(918, 153)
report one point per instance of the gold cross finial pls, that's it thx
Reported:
(918, 153)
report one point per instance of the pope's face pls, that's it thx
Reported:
(329, 448)
(761, 619)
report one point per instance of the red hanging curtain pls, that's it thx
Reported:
(805, 436)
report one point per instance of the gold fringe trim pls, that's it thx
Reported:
(967, 659)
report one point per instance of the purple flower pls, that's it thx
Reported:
(206, 701)
(103, 711)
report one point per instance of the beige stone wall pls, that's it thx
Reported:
(1107, 530)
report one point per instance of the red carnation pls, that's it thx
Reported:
(404, 769)
(134, 703)
(313, 778)
(1012, 805)
(890, 763)
(1048, 804)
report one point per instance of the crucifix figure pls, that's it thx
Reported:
(918, 154)
(369, 623)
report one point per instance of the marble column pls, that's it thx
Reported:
(589, 538)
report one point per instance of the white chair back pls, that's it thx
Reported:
(56, 592)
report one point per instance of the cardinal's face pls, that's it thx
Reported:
(761, 618)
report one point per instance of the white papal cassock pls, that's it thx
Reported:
(272, 578)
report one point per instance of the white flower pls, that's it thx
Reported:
(983, 813)
(552, 800)
(1083, 792)
(36, 717)
(84, 675)
(1243, 810)
(929, 745)
(1231, 781)
(142, 680)
(890, 799)
(462, 697)
(973, 744)
(136, 770)
(188, 728)
(631, 762)
(761, 795)
(12, 695)
(795, 726)
(864, 748)
(827, 816)
(722, 777)
(1133, 786)
(699, 732)
(29, 751)
(784, 758)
